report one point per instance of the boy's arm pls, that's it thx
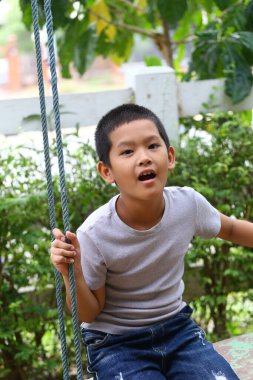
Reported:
(89, 303)
(237, 231)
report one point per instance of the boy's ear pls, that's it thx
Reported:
(172, 158)
(105, 172)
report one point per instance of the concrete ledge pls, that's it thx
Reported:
(238, 351)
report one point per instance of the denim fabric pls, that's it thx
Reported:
(175, 349)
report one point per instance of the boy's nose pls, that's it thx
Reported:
(144, 159)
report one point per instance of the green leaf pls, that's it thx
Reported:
(233, 20)
(180, 55)
(184, 26)
(206, 58)
(119, 50)
(249, 15)
(84, 52)
(31, 118)
(151, 12)
(89, 3)
(238, 72)
(172, 11)
(25, 6)
(77, 45)
(206, 4)
(243, 38)
(239, 82)
(223, 4)
(153, 61)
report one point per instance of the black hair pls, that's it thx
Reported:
(115, 118)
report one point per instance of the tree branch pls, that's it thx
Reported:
(162, 40)
(131, 28)
(185, 41)
(135, 29)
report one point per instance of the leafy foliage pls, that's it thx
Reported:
(221, 31)
(224, 49)
(22, 219)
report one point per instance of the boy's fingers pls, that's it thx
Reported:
(56, 251)
(63, 259)
(60, 246)
(57, 233)
(72, 237)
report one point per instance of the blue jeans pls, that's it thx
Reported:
(175, 349)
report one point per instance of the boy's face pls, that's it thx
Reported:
(139, 160)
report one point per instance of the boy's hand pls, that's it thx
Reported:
(62, 254)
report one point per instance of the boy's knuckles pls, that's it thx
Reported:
(55, 243)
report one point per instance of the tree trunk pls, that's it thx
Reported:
(220, 321)
(167, 46)
(164, 43)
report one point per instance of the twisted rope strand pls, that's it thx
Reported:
(64, 200)
(51, 205)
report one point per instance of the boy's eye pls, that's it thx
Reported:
(154, 146)
(126, 152)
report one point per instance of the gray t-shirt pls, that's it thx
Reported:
(142, 270)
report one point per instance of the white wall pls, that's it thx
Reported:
(153, 87)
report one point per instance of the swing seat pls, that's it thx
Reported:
(238, 351)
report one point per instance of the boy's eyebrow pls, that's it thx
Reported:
(132, 142)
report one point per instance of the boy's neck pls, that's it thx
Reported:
(140, 215)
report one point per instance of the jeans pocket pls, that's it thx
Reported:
(94, 338)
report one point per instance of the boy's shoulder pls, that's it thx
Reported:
(183, 197)
(99, 216)
(179, 191)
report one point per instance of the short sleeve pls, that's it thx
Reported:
(208, 223)
(93, 265)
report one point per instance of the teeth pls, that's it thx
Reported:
(147, 175)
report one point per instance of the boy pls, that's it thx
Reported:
(128, 259)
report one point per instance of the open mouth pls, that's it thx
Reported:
(146, 176)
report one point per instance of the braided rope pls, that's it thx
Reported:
(51, 205)
(64, 200)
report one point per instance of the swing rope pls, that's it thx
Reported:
(64, 200)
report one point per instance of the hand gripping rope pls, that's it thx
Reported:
(64, 201)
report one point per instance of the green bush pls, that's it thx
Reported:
(29, 342)
(216, 158)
